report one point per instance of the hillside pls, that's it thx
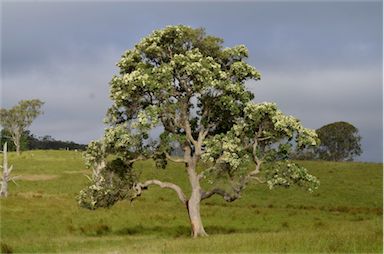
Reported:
(41, 213)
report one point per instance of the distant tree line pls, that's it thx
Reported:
(29, 141)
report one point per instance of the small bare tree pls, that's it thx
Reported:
(6, 173)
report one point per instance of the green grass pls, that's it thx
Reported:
(41, 213)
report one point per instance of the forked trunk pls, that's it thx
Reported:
(193, 206)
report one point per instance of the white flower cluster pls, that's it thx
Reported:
(147, 118)
(286, 173)
(89, 196)
(142, 118)
(197, 67)
(107, 188)
(129, 59)
(283, 126)
(94, 154)
(118, 137)
(226, 148)
(308, 137)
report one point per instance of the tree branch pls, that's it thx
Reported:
(257, 179)
(169, 157)
(188, 132)
(185, 122)
(201, 174)
(227, 196)
(142, 186)
(264, 138)
(258, 161)
(139, 158)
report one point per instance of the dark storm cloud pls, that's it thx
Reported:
(320, 61)
(275, 32)
(75, 95)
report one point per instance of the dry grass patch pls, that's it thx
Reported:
(84, 171)
(40, 177)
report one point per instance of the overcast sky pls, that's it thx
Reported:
(320, 61)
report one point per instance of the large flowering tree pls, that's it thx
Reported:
(185, 81)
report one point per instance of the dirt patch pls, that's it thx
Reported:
(76, 172)
(41, 177)
(29, 194)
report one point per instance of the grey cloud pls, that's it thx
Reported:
(75, 95)
(276, 33)
(350, 91)
(330, 95)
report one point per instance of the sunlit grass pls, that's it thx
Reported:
(41, 213)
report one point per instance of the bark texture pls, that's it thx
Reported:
(143, 186)
(193, 206)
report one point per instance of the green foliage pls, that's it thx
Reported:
(263, 134)
(287, 173)
(114, 183)
(94, 154)
(274, 126)
(18, 118)
(160, 160)
(339, 141)
(6, 137)
(47, 142)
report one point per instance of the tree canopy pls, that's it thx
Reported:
(339, 141)
(18, 118)
(186, 84)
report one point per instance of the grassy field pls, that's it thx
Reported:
(41, 213)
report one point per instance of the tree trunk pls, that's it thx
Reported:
(16, 141)
(4, 188)
(193, 206)
(5, 177)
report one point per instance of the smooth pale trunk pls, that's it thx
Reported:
(4, 182)
(16, 141)
(193, 204)
(4, 188)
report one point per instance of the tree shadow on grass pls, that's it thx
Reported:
(178, 231)
(169, 231)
